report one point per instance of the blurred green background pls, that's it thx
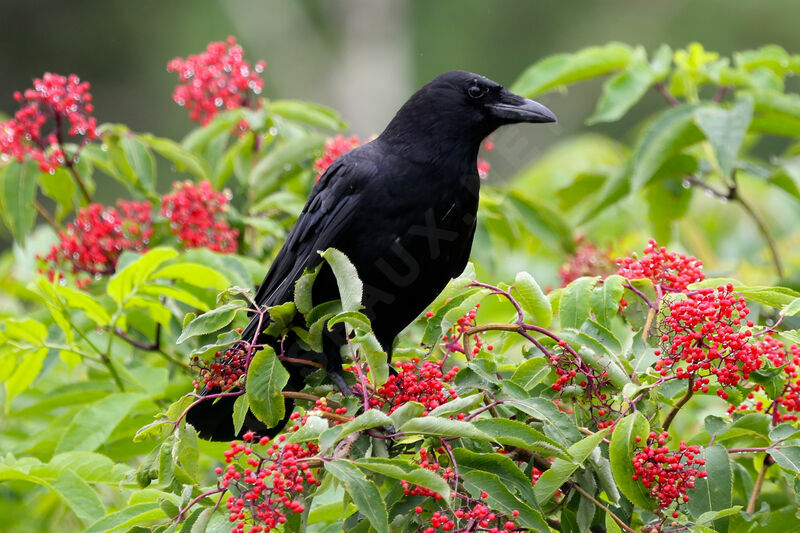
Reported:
(362, 57)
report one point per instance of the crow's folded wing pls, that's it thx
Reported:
(330, 207)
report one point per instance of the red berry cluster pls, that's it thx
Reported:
(586, 260)
(475, 517)
(62, 101)
(453, 339)
(667, 473)
(429, 463)
(266, 480)
(670, 270)
(224, 371)
(93, 242)
(321, 405)
(219, 78)
(706, 332)
(334, 149)
(416, 381)
(197, 216)
(788, 401)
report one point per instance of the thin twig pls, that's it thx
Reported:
(720, 94)
(46, 216)
(751, 503)
(762, 228)
(685, 398)
(668, 96)
(604, 508)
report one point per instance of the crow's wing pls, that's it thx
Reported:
(330, 207)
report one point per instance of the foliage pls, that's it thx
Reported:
(640, 395)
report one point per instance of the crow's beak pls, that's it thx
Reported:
(514, 108)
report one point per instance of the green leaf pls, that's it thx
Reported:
(561, 470)
(371, 418)
(178, 156)
(303, 290)
(792, 308)
(350, 286)
(623, 90)
(458, 405)
(195, 274)
(406, 412)
(176, 293)
(788, 458)
(26, 371)
(308, 113)
(561, 69)
(532, 299)
(542, 221)
(400, 469)
(18, 183)
(501, 498)
(80, 497)
(141, 161)
(605, 299)
(442, 427)
(667, 201)
(92, 425)
(574, 306)
(620, 452)
(76, 299)
(531, 372)
(672, 131)
(367, 344)
(264, 175)
(725, 130)
(364, 492)
(89, 466)
(210, 322)
(59, 186)
(503, 467)
(556, 423)
(131, 515)
(514, 433)
(125, 282)
(240, 408)
(266, 378)
(713, 493)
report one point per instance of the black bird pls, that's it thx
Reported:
(403, 208)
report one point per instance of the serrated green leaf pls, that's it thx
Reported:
(17, 192)
(210, 321)
(713, 493)
(725, 130)
(442, 427)
(672, 131)
(532, 299)
(371, 418)
(400, 469)
(574, 306)
(364, 492)
(620, 453)
(266, 378)
(561, 470)
(93, 424)
(606, 297)
(531, 372)
(350, 286)
(514, 433)
(787, 457)
(140, 160)
(562, 69)
(195, 274)
(499, 497)
(623, 90)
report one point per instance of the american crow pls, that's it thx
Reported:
(403, 208)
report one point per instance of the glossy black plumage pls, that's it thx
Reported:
(403, 209)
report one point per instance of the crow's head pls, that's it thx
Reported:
(466, 106)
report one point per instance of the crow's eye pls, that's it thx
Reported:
(476, 91)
